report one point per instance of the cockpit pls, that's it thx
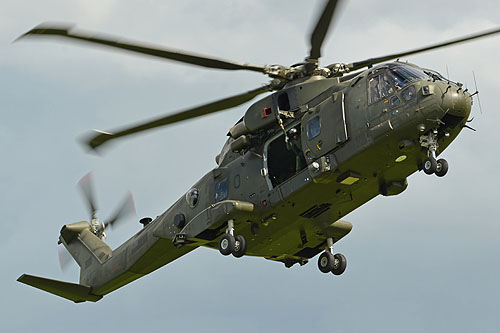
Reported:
(384, 81)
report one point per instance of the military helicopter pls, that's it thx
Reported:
(323, 143)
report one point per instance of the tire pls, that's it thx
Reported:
(240, 246)
(226, 244)
(326, 262)
(430, 165)
(442, 167)
(340, 264)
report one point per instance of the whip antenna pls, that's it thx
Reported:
(477, 92)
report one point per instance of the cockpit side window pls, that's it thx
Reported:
(373, 86)
(380, 86)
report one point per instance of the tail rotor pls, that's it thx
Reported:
(99, 227)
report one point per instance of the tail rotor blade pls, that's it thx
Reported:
(125, 209)
(87, 188)
(65, 259)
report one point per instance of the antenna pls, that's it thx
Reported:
(477, 92)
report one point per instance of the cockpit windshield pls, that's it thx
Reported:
(403, 75)
(383, 79)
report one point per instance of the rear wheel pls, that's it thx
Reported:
(339, 264)
(326, 262)
(441, 167)
(240, 246)
(226, 244)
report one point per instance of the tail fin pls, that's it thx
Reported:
(75, 292)
(88, 250)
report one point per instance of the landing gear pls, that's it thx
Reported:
(328, 262)
(226, 244)
(441, 167)
(237, 245)
(240, 246)
(340, 264)
(430, 165)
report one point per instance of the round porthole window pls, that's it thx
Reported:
(192, 197)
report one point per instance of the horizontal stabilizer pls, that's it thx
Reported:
(74, 292)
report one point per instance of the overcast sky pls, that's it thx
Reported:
(426, 260)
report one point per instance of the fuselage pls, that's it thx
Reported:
(301, 159)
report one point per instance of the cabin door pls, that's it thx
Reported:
(324, 127)
(283, 156)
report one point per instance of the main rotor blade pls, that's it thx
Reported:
(126, 208)
(67, 31)
(372, 61)
(319, 33)
(100, 138)
(87, 188)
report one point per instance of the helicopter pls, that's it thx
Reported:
(323, 143)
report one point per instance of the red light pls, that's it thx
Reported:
(267, 112)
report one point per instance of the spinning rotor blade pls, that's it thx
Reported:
(319, 33)
(65, 259)
(126, 208)
(87, 188)
(367, 63)
(67, 31)
(100, 138)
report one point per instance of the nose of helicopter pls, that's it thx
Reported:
(456, 101)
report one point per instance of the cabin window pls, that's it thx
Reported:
(285, 157)
(380, 86)
(192, 197)
(221, 190)
(313, 128)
